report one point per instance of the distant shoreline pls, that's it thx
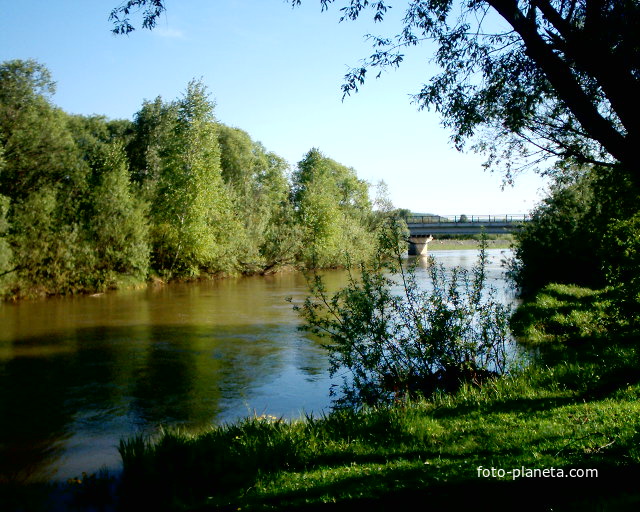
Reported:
(446, 244)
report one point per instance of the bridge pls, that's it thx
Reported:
(423, 228)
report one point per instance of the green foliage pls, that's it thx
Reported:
(117, 223)
(239, 159)
(120, 15)
(193, 219)
(415, 343)
(257, 181)
(88, 203)
(93, 134)
(559, 243)
(583, 233)
(51, 255)
(152, 140)
(23, 82)
(333, 208)
(39, 149)
(622, 241)
(73, 223)
(281, 239)
(6, 255)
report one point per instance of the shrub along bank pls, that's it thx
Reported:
(575, 408)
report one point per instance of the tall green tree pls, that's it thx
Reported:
(257, 180)
(193, 221)
(333, 207)
(152, 140)
(46, 179)
(117, 222)
(39, 149)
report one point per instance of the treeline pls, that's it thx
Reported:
(585, 232)
(88, 203)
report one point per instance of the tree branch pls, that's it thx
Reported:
(564, 82)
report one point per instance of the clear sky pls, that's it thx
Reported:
(275, 72)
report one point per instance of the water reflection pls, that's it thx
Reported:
(78, 374)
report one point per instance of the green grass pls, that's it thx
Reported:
(576, 407)
(563, 312)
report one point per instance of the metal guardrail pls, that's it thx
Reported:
(468, 219)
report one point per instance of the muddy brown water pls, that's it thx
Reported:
(78, 374)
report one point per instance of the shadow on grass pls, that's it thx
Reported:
(401, 489)
(508, 405)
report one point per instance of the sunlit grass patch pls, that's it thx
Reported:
(562, 312)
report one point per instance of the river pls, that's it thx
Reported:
(78, 374)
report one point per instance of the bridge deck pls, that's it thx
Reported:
(425, 225)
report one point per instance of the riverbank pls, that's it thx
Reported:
(561, 434)
(574, 412)
(447, 244)
(154, 281)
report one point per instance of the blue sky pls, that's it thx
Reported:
(275, 72)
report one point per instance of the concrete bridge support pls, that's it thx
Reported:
(418, 245)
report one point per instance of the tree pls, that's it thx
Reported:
(527, 79)
(193, 225)
(117, 222)
(334, 209)
(39, 149)
(45, 178)
(584, 232)
(152, 140)
(94, 134)
(258, 182)
(114, 218)
(562, 241)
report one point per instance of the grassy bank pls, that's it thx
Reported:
(576, 408)
(457, 243)
(453, 245)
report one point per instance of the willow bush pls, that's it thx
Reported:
(415, 342)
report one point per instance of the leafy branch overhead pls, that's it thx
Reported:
(524, 80)
(151, 11)
(533, 78)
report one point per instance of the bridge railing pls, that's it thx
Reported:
(465, 219)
